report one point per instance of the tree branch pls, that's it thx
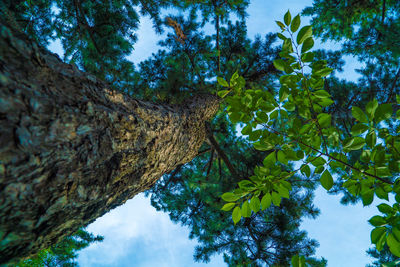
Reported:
(220, 152)
(331, 157)
(210, 164)
(85, 23)
(383, 11)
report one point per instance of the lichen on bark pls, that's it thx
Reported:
(71, 149)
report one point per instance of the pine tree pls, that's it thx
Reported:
(63, 253)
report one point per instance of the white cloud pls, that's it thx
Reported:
(136, 232)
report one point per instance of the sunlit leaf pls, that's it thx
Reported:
(295, 24)
(303, 34)
(236, 215)
(228, 206)
(287, 18)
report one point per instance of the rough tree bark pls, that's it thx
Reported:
(71, 149)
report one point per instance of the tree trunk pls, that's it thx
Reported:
(72, 150)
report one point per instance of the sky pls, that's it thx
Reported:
(135, 234)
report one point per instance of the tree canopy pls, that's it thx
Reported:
(286, 125)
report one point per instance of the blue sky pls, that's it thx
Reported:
(137, 235)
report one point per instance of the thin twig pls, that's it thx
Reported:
(331, 157)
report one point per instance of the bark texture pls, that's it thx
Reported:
(71, 149)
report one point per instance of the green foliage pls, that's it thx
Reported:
(63, 253)
(192, 197)
(300, 106)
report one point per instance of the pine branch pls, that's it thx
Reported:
(220, 152)
(391, 92)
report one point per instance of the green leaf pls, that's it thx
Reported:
(385, 208)
(307, 45)
(299, 155)
(270, 160)
(394, 245)
(228, 206)
(281, 36)
(262, 116)
(354, 143)
(246, 212)
(326, 180)
(283, 93)
(367, 197)
(377, 220)
(381, 242)
(305, 169)
(280, 24)
(359, 115)
(358, 129)
(371, 108)
(279, 64)
(240, 82)
(383, 112)
(396, 233)
(262, 146)
(282, 157)
(371, 138)
(223, 93)
(323, 72)
(283, 191)
(303, 34)
(234, 77)
(307, 57)
(236, 215)
(255, 204)
(324, 120)
(325, 102)
(377, 233)
(289, 106)
(394, 263)
(222, 82)
(266, 201)
(287, 18)
(317, 161)
(234, 117)
(295, 24)
(287, 47)
(247, 129)
(276, 199)
(254, 136)
(230, 197)
(383, 171)
(381, 193)
(298, 261)
(245, 184)
(322, 94)
(295, 261)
